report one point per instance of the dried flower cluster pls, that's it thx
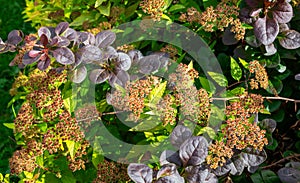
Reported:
(167, 110)
(153, 8)
(110, 171)
(194, 104)
(86, 114)
(218, 154)
(133, 99)
(225, 14)
(240, 132)
(125, 48)
(22, 161)
(171, 50)
(102, 26)
(44, 106)
(261, 76)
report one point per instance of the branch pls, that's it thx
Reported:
(281, 161)
(268, 98)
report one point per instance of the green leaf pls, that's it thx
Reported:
(272, 146)
(157, 93)
(236, 71)
(208, 3)
(70, 104)
(167, 4)
(256, 177)
(244, 63)
(105, 10)
(120, 88)
(269, 176)
(96, 158)
(176, 7)
(98, 3)
(40, 160)
(207, 85)
(210, 132)
(72, 147)
(218, 78)
(42, 126)
(9, 125)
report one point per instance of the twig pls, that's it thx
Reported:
(269, 98)
(281, 161)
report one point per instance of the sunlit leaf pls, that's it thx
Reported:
(283, 12)
(156, 94)
(123, 61)
(236, 71)
(98, 76)
(166, 170)
(218, 78)
(61, 27)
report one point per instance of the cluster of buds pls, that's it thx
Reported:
(125, 48)
(194, 104)
(22, 161)
(218, 154)
(102, 26)
(134, 98)
(153, 8)
(24, 120)
(171, 50)
(166, 110)
(78, 163)
(21, 80)
(110, 171)
(240, 131)
(261, 76)
(115, 13)
(223, 15)
(86, 114)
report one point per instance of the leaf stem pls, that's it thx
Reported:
(281, 161)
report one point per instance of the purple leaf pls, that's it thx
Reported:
(166, 170)
(98, 76)
(123, 61)
(173, 178)
(60, 41)
(64, 56)
(90, 53)
(245, 16)
(44, 31)
(82, 37)
(228, 37)
(254, 3)
(44, 64)
(29, 60)
(297, 77)
(34, 53)
(253, 157)
(149, 64)
(270, 49)
(255, 12)
(140, 173)
(15, 37)
(268, 124)
(135, 56)
(121, 78)
(61, 28)
(201, 174)
(79, 74)
(283, 12)
(193, 151)
(180, 134)
(283, 27)
(109, 52)
(105, 38)
(44, 40)
(169, 156)
(291, 39)
(266, 30)
(289, 175)
(70, 34)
